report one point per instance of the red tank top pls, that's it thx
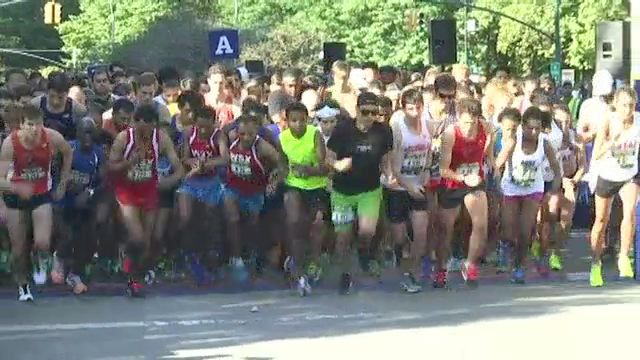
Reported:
(204, 149)
(141, 178)
(467, 156)
(32, 165)
(246, 174)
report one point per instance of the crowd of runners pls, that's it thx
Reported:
(233, 175)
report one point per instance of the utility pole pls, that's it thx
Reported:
(466, 32)
(556, 67)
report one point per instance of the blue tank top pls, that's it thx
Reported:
(84, 170)
(61, 122)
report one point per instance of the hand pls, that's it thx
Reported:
(23, 190)
(192, 163)
(343, 165)
(58, 193)
(417, 192)
(568, 183)
(192, 172)
(472, 180)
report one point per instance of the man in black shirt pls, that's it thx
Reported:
(357, 151)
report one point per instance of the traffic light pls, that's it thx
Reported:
(52, 13)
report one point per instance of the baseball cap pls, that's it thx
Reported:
(367, 98)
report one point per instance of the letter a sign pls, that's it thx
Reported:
(224, 44)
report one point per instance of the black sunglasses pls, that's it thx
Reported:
(367, 112)
(446, 97)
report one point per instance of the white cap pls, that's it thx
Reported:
(602, 83)
(327, 112)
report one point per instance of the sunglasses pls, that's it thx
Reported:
(447, 97)
(367, 112)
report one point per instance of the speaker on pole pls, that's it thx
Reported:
(613, 48)
(443, 45)
(332, 52)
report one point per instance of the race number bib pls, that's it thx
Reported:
(342, 216)
(414, 163)
(33, 174)
(241, 165)
(468, 169)
(142, 171)
(80, 178)
(524, 174)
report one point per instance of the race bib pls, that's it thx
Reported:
(524, 174)
(80, 178)
(33, 174)
(342, 216)
(142, 171)
(241, 165)
(468, 169)
(625, 154)
(414, 163)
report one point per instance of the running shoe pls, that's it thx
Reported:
(304, 289)
(543, 266)
(75, 283)
(555, 262)
(135, 289)
(150, 277)
(410, 285)
(504, 254)
(239, 271)
(374, 268)
(595, 278)
(440, 280)
(24, 293)
(314, 272)
(57, 270)
(427, 268)
(454, 264)
(469, 273)
(346, 284)
(518, 275)
(625, 268)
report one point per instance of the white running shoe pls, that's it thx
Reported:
(24, 293)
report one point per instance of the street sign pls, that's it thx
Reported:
(556, 72)
(568, 76)
(224, 44)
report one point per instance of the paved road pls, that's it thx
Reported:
(555, 320)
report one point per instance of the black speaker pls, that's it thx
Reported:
(613, 48)
(255, 67)
(332, 52)
(443, 44)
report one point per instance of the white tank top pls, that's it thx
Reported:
(414, 153)
(555, 140)
(620, 163)
(523, 173)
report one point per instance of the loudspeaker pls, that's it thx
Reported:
(255, 67)
(332, 52)
(613, 48)
(443, 44)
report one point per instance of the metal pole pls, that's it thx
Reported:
(466, 32)
(113, 24)
(558, 40)
(235, 12)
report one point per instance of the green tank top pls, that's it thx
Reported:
(302, 152)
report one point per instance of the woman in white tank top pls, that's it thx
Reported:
(616, 149)
(522, 185)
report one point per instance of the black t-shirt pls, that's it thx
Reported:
(366, 150)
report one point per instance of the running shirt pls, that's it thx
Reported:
(177, 131)
(204, 149)
(32, 165)
(554, 138)
(467, 156)
(84, 170)
(141, 179)
(61, 122)
(621, 162)
(366, 150)
(245, 173)
(523, 172)
(436, 128)
(302, 151)
(414, 152)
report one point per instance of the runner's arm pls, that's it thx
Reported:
(269, 153)
(601, 145)
(553, 163)
(582, 163)
(6, 158)
(505, 154)
(62, 146)
(448, 139)
(221, 160)
(116, 161)
(188, 160)
(167, 149)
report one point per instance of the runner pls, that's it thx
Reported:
(204, 153)
(122, 116)
(464, 148)
(408, 199)
(250, 158)
(306, 200)
(31, 150)
(60, 112)
(523, 183)
(356, 150)
(134, 156)
(573, 163)
(616, 150)
(77, 239)
(341, 91)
